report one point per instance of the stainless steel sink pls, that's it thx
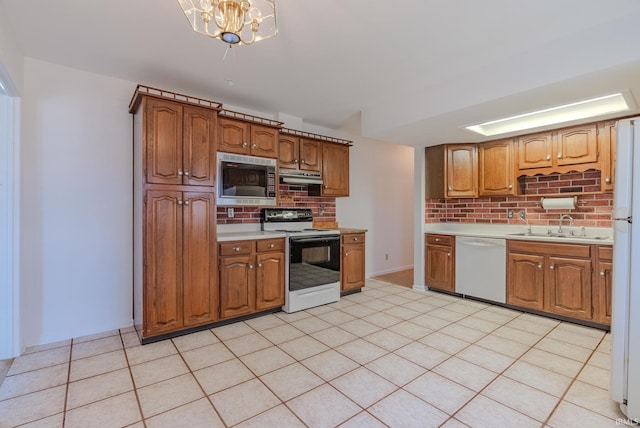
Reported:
(558, 235)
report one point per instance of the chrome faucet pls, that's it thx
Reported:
(523, 217)
(562, 217)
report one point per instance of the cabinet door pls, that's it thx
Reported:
(234, 136)
(269, 280)
(163, 133)
(525, 280)
(199, 144)
(264, 141)
(535, 151)
(495, 162)
(163, 262)
(199, 247)
(310, 155)
(352, 270)
(439, 267)
(335, 169)
(603, 289)
(607, 139)
(462, 171)
(288, 151)
(237, 286)
(570, 287)
(577, 145)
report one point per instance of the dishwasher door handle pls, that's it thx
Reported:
(483, 243)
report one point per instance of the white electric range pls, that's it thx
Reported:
(312, 273)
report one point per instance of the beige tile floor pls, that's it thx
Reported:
(388, 356)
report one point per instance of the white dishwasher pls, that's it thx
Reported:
(481, 268)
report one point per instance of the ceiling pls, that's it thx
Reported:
(408, 71)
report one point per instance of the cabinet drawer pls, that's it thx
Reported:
(549, 248)
(270, 245)
(236, 247)
(605, 252)
(353, 238)
(433, 239)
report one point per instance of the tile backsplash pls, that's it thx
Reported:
(291, 196)
(593, 210)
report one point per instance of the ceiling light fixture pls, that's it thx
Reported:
(565, 113)
(241, 22)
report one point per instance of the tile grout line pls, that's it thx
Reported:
(135, 389)
(66, 393)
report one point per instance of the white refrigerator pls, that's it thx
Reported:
(625, 323)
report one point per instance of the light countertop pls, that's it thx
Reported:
(246, 236)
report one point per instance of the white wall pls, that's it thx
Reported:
(76, 268)
(11, 59)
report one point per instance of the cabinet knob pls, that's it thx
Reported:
(270, 246)
(607, 180)
(552, 267)
(179, 201)
(437, 239)
(548, 157)
(450, 188)
(602, 273)
(510, 186)
(559, 155)
(186, 172)
(355, 239)
(236, 249)
(295, 161)
(250, 266)
(259, 265)
(245, 144)
(180, 173)
(186, 201)
(540, 266)
(325, 186)
(346, 254)
(448, 254)
(254, 145)
(301, 160)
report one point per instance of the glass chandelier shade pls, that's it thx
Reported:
(241, 22)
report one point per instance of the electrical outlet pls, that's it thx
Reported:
(522, 214)
(509, 213)
(230, 213)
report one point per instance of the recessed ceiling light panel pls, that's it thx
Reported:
(565, 113)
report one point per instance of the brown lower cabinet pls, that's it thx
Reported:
(251, 276)
(440, 261)
(179, 280)
(602, 290)
(352, 272)
(557, 278)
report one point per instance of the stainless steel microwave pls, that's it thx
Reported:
(246, 180)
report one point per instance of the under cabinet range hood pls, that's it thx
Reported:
(295, 176)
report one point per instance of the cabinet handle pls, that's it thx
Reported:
(254, 145)
(548, 157)
(607, 180)
(295, 161)
(179, 201)
(450, 188)
(245, 144)
(180, 173)
(437, 239)
(510, 186)
(448, 254)
(259, 265)
(355, 239)
(540, 266)
(186, 172)
(250, 266)
(301, 160)
(236, 249)
(325, 186)
(552, 267)
(559, 155)
(186, 201)
(346, 254)
(602, 273)
(270, 246)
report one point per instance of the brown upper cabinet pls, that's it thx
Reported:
(607, 141)
(563, 150)
(335, 169)
(300, 153)
(461, 165)
(180, 143)
(496, 168)
(244, 138)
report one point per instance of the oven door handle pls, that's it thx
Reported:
(316, 239)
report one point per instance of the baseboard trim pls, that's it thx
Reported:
(388, 271)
